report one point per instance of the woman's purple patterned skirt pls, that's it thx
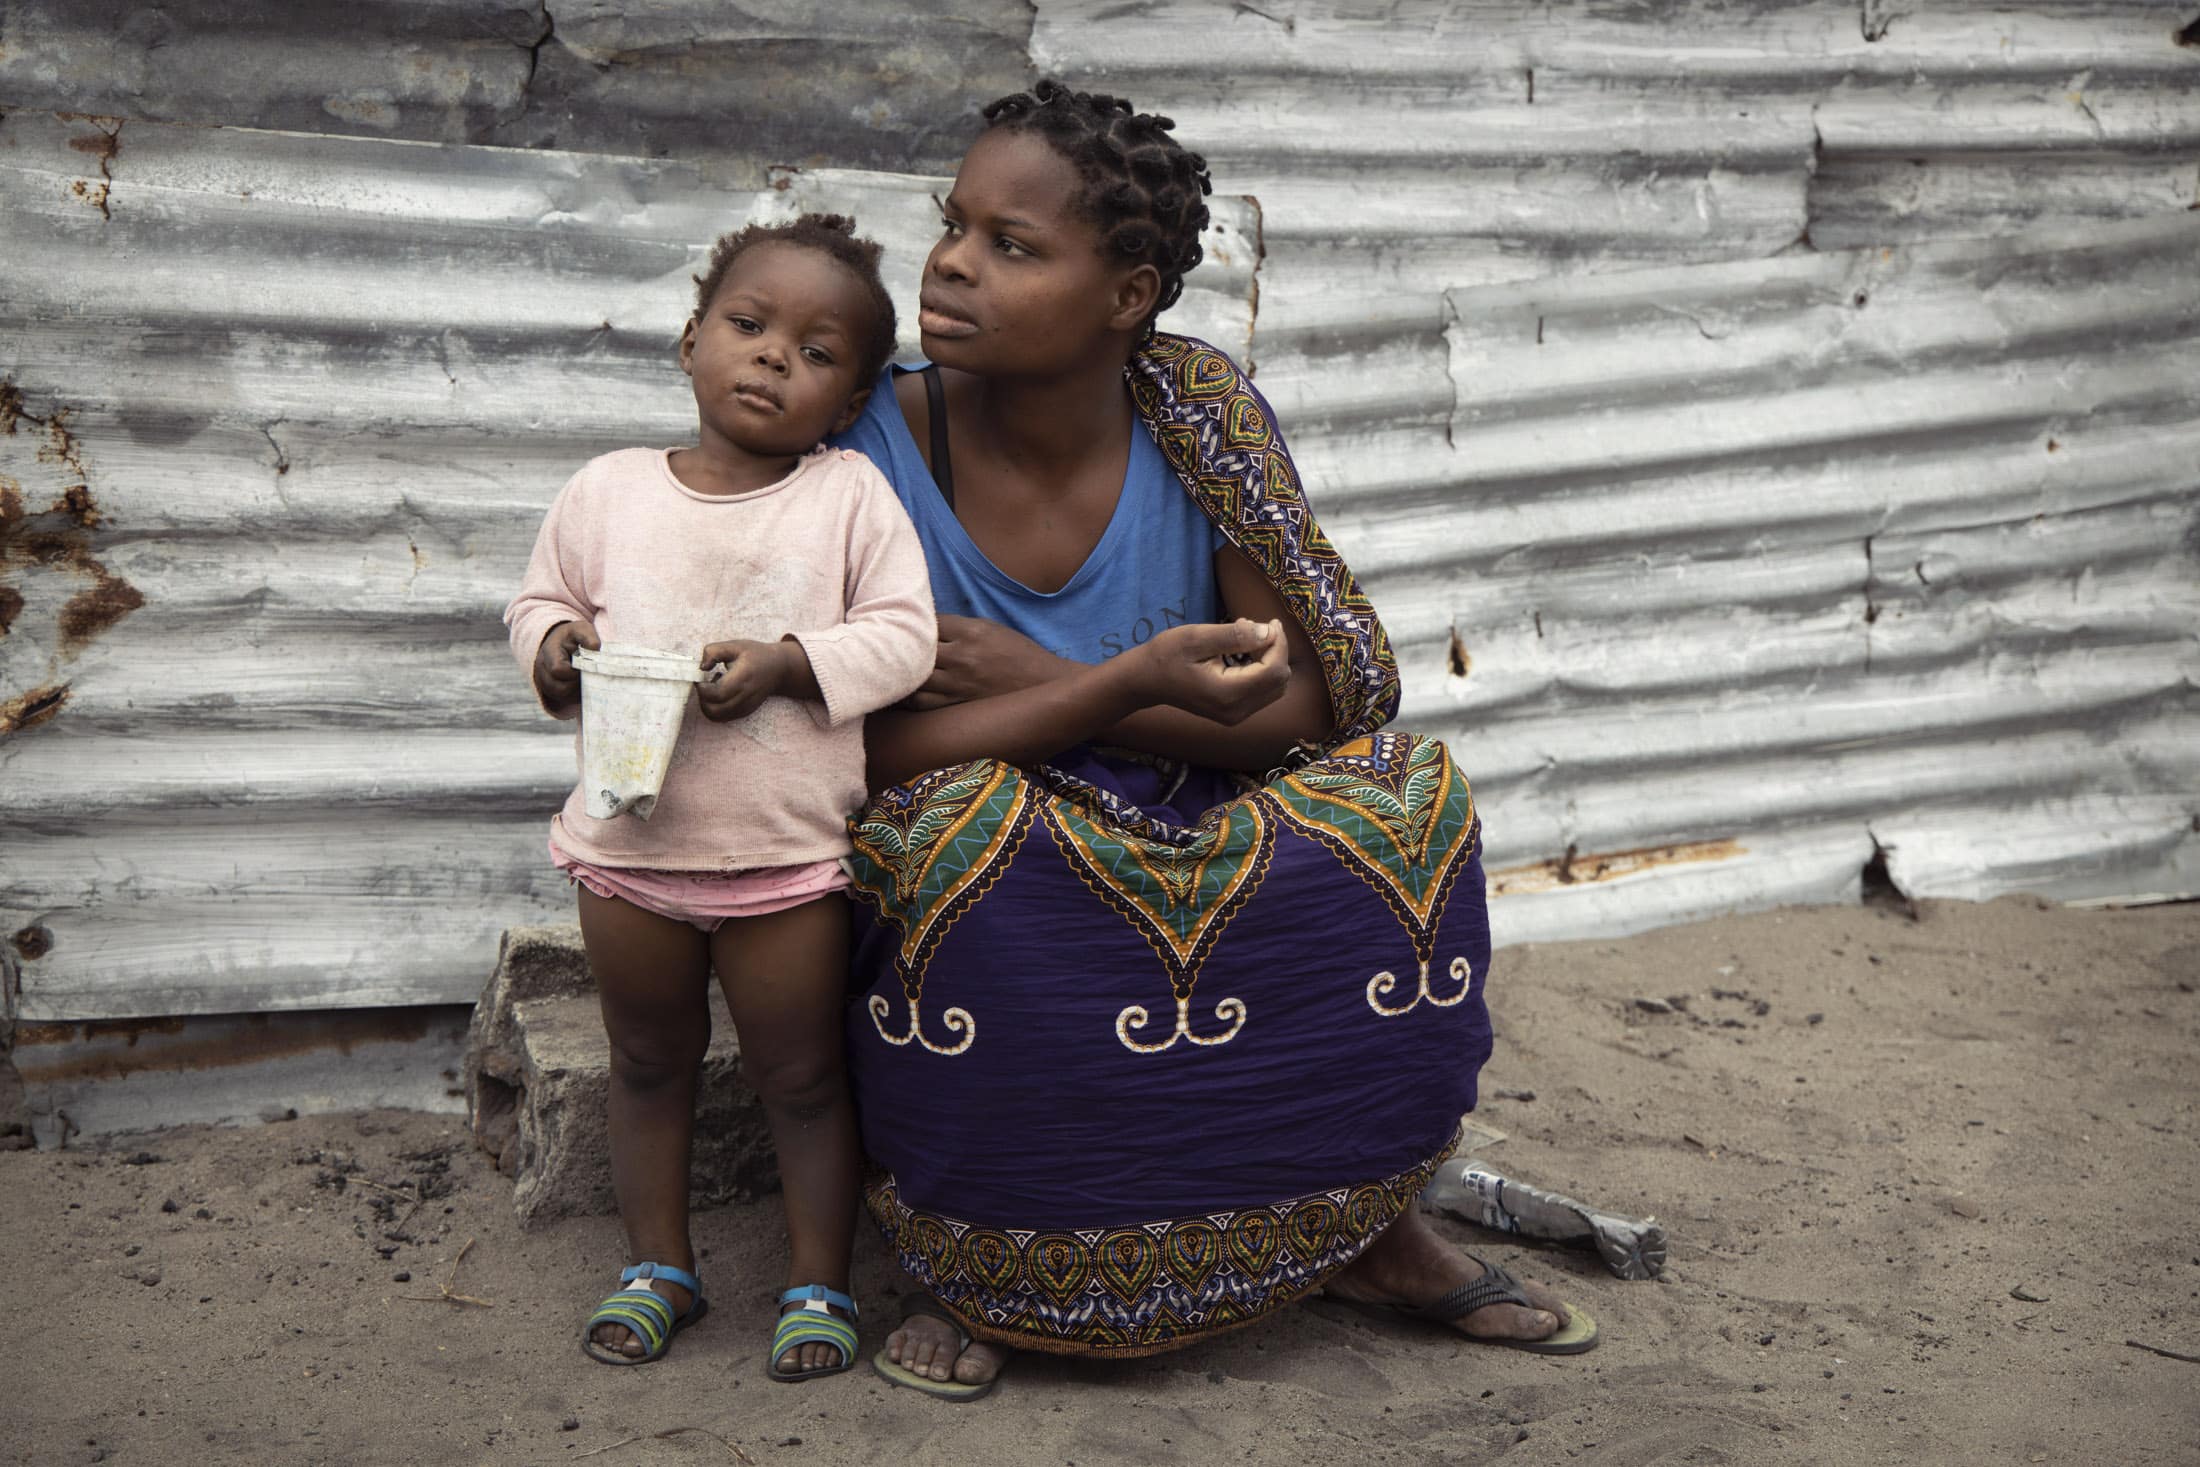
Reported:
(1141, 1056)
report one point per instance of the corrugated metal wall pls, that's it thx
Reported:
(286, 412)
(1726, 524)
(1731, 531)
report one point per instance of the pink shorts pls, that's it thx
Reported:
(704, 899)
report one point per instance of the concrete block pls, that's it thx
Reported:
(538, 1070)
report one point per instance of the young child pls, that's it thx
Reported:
(793, 570)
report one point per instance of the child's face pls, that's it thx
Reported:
(776, 356)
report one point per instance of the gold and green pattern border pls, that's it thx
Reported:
(1179, 898)
(1395, 809)
(925, 851)
(1124, 1292)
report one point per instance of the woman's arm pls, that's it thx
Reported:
(1302, 715)
(1186, 669)
(982, 662)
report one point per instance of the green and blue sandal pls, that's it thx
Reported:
(646, 1312)
(806, 1316)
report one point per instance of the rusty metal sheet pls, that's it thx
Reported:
(887, 88)
(447, 70)
(738, 88)
(282, 414)
(98, 1078)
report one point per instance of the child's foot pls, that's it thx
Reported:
(816, 1334)
(620, 1340)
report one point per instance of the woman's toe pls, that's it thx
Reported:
(978, 1364)
(1511, 1322)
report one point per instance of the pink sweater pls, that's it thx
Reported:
(827, 554)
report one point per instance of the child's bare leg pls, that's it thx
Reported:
(653, 976)
(785, 976)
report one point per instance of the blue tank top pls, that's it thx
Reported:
(1152, 569)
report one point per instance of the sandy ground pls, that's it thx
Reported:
(1925, 1181)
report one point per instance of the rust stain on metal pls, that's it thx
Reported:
(1461, 663)
(1573, 869)
(97, 607)
(117, 1052)
(129, 1031)
(33, 942)
(57, 538)
(103, 145)
(11, 514)
(76, 503)
(32, 708)
(60, 446)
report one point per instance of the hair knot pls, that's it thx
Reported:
(1141, 186)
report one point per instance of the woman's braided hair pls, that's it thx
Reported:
(830, 234)
(1143, 188)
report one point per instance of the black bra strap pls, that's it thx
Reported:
(935, 399)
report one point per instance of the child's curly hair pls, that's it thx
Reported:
(832, 234)
(1143, 188)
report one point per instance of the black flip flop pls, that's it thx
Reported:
(1576, 1332)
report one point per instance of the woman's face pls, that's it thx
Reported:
(1017, 285)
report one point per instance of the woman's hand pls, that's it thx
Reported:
(752, 672)
(982, 659)
(1224, 671)
(556, 679)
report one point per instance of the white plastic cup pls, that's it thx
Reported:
(632, 702)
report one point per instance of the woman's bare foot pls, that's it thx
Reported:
(1410, 1265)
(927, 1345)
(620, 1340)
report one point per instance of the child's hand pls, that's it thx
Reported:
(753, 671)
(556, 679)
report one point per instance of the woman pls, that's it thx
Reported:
(1151, 1043)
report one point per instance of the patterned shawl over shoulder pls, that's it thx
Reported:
(1219, 437)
